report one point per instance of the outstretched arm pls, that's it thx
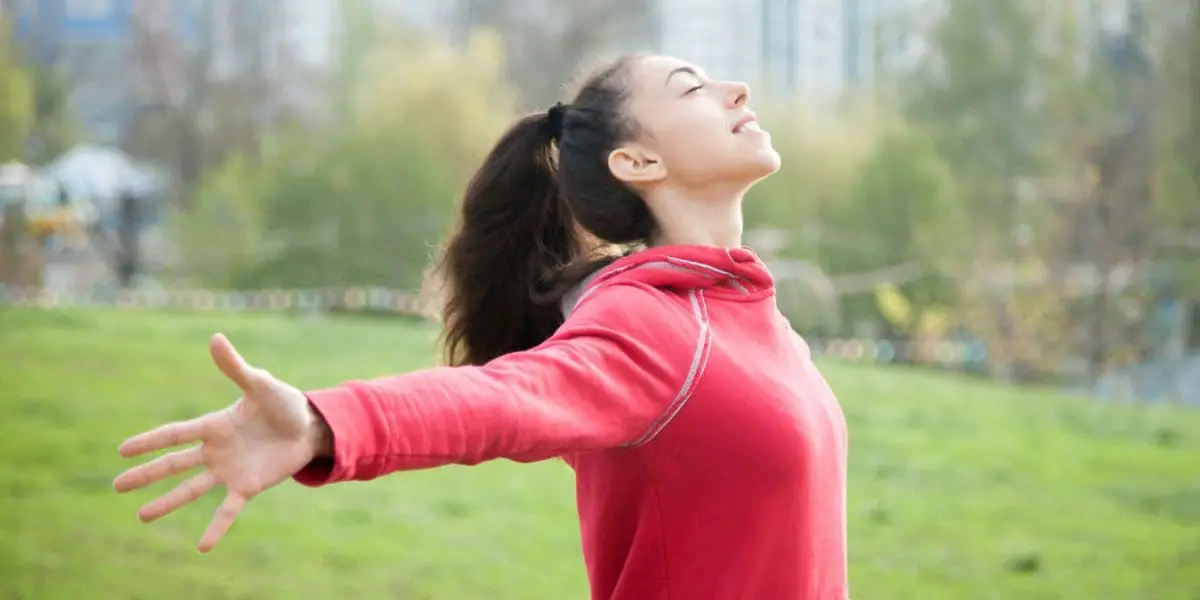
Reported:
(610, 377)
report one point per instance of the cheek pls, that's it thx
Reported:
(695, 138)
(698, 148)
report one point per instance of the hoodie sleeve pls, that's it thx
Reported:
(610, 377)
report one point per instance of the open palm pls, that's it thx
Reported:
(249, 446)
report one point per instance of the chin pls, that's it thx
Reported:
(773, 160)
(766, 163)
(749, 172)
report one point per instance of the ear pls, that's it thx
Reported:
(636, 164)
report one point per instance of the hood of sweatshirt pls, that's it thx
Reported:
(734, 272)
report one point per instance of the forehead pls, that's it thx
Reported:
(650, 73)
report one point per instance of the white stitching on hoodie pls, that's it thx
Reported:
(701, 266)
(699, 363)
(591, 284)
(703, 342)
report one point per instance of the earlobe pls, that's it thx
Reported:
(635, 165)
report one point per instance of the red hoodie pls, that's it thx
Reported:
(710, 455)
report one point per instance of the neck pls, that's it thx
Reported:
(693, 220)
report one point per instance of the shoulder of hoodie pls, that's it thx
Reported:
(638, 310)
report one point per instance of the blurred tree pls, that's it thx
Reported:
(548, 41)
(867, 197)
(1039, 115)
(1178, 177)
(221, 230)
(419, 128)
(981, 90)
(454, 100)
(18, 107)
(363, 32)
(217, 90)
(171, 80)
(821, 154)
(55, 129)
(1107, 145)
(38, 124)
(365, 204)
(905, 202)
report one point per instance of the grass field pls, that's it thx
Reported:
(958, 489)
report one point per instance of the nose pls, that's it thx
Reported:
(739, 94)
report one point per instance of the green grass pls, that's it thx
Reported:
(958, 489)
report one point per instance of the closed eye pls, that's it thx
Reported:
(695, 88)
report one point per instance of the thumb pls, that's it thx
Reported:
(231, 363)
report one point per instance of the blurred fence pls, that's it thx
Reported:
(377, 300)
(1174, 381)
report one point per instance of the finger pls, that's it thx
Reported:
(184, 493)
(232, 364)
(158, 469)
(226, 514)
(165, 436)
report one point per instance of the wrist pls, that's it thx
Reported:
(319, 436)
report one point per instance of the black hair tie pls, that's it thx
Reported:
(555, 121)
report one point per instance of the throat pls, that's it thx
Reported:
(710, 222)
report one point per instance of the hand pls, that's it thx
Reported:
(265, 437)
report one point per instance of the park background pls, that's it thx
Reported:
(987, 225)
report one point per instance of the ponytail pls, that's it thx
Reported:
(523, 241)
(515, 236)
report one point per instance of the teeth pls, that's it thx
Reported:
(751, 126)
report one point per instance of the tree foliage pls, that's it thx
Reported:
(18, 109)
(362, 204)
(55, 129)
(982, 91)
(821, 154)
(905, 205)
(549, 41)
(1178, 176)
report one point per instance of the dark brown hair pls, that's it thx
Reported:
(518, 246)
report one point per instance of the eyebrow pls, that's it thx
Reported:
(678, 70)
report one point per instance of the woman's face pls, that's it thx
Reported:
(694, 132)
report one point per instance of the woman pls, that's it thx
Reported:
(709, 453)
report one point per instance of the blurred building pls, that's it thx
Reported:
(721, 37)
(89, 41)
(884, 36)
(785, 47)
(791, 48)
(124, 54)
(119, 56)
(813, 50)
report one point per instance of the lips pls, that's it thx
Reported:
(747, 123)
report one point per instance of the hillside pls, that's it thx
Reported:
(959, 489)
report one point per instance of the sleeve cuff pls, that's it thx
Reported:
(342, 410)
